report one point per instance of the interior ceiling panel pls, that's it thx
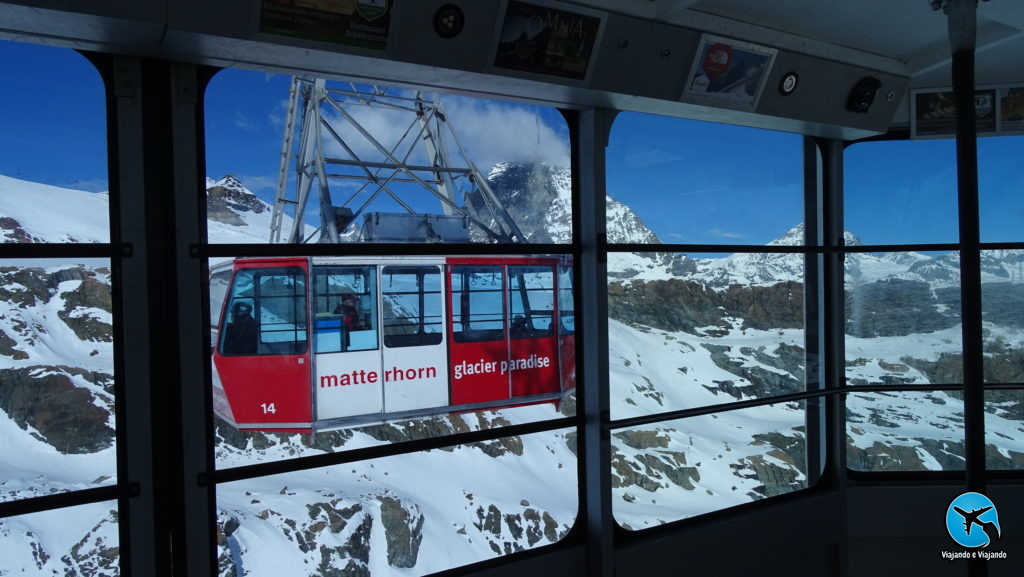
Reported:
(909, 32)
(894, 29)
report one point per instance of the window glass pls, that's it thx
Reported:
(82, 540)
(687, 467)
(905, 431)
(57, 389)
(531, 297)
(412, 306)
(566, 306)
(346, 308)
(903, 318)
(703, 330)
(266, 314)
(673, 180)
(398, 165)
(1002, 304)
(1004, 429)
(478, 308)
(411, 514)
(900, 192)
(53, 147)
(999, 185)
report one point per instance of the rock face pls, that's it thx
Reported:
(403, 530)
(12, 231)
(227, 197)
(46, 400)
(897, 307)
(536, 196)
(686, 306)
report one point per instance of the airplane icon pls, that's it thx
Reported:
(990, 528)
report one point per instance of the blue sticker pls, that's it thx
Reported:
(972, 521)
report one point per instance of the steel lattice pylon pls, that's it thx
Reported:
(322, 130)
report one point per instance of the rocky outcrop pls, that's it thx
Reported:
(228, 197)
(759, 381)
(896, 307)
(506, 531)
(12, 231)
(47, 402)
(91, 293)
(651, 466)
(678, 305)
(98, 553)
(403, 531)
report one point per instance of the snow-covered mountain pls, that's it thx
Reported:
(412, 515)
(684, 332)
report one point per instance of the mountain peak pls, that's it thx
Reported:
(796, 236)
(228, 199)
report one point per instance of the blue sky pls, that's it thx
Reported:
(690, 181)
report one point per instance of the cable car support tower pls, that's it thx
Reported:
(327, 137)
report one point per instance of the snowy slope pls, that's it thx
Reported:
(25, 214)
(427, 512)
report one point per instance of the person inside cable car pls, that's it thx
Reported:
(348, 311)
(242, 333)
(520, 328)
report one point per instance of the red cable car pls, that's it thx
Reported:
(307, 344)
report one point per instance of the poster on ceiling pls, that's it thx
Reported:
(546, 39)
(933, 113)
(727, 72)
(1011, 117)
(361, 23)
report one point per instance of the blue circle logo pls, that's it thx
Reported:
(972, 521)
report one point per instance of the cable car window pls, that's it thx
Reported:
(900, 192)
(346, 308)
(412, 306)
(676, 180)
(682, 468)
(266, 314)
(387, 164)
(531, 293)
(219, 282)
(478, 310)
(566, 304)
(905, 431)
(67, 174)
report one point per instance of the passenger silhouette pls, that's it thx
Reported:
(347, 309)
(519, 328)
(241, 335)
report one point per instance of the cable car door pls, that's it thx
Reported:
(346, 337)
(477, 337)
(566, 329)
(262, 359)
(415, 367)
(533, 345)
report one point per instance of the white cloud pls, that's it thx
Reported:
(491, 132)
(720, 233)
(243, 122)
(495, 132)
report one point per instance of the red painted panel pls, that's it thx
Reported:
(267, 389)
(533, 366)
(478, 370)
(567, 362)
(477, 373)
